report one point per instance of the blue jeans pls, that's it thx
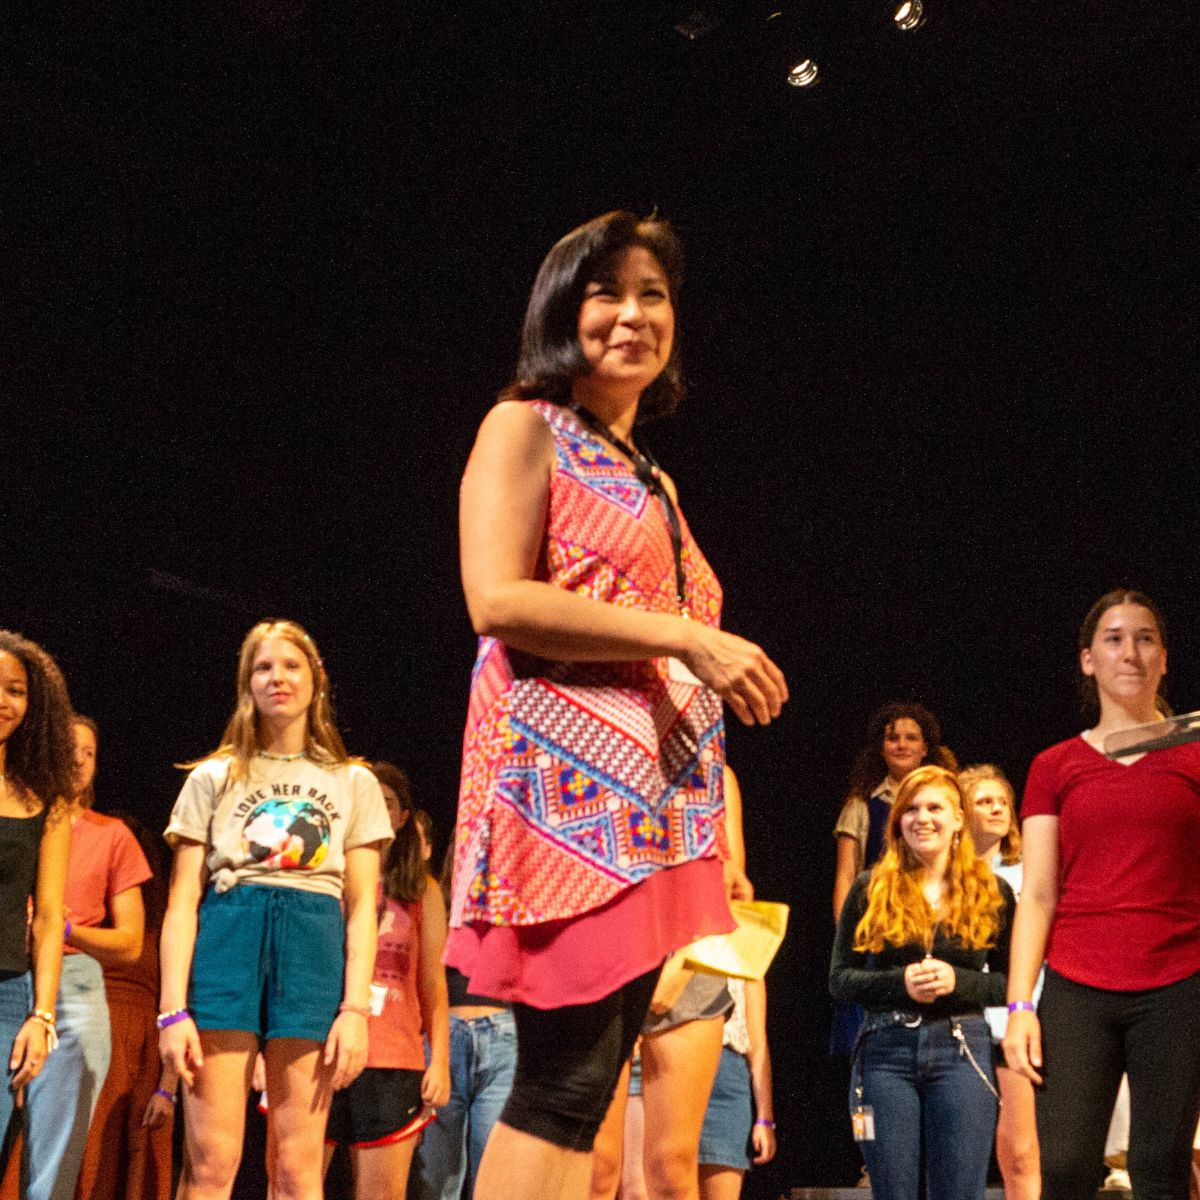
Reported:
(483, 1054)
(16, 999)
(59, 1103)
(920, 1083)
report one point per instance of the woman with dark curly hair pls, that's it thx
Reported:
(589, 836)
(900, 738)
(36, 751)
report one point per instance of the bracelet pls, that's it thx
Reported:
(1017, 1006)
(765, 1122)
(67, 930)
(48, 1023)
(165, 1019)
(361, 1009)
(174, 1099)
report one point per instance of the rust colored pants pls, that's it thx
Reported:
(124, 1160)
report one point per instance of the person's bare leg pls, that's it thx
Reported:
(517, 1164)
(606, 1156)
(381, 1172)
(298, 1084)
(1016, 1137)
(633, 1161)
(215, 1115)
(720, 1183)
(678, 1069)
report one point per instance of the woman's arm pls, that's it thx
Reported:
(346, 1046)
(122, 941)
(179, 1043)
(1031, 931)
(433, 997)
(502, 522)
(761, 1079)
(31, 1045)
(737, 884)
(849, 976)
(844, 872)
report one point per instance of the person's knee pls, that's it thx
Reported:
(606, 1171)
(1018, 1159)
(670, 1170)
(213, 1161)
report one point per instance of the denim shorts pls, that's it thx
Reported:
(269, 961)
(725, 1138)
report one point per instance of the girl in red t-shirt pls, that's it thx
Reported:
(1111, 901)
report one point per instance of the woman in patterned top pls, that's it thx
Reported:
(590, 812)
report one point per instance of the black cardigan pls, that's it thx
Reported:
(876, 981)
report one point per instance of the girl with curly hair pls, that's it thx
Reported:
(913, 941)
(901, 736)
(36, 751)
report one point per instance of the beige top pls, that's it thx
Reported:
(854, 820)
(287, 824)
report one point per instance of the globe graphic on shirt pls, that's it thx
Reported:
(286, 835)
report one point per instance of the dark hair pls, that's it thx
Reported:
(870, 768)
(154, 890)
(1089, 693)
(88, 797)
(397, 779)
(551, 356)
(40, 752)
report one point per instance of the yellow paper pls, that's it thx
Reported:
(746, 953)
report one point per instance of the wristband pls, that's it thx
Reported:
(166, 1095)
(361, 1009)
(165, 1019)
(67, 930)
(48, 1023)
(765, 1122)
(1017, 1006)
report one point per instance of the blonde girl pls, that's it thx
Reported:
(276, 834)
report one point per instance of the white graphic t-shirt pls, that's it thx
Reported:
(288, 824)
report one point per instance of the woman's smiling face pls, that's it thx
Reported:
(929, 823)
(627, 323)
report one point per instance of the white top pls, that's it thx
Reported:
(287, 824)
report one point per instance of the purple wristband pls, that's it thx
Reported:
(1021, 1006)
(67, 930)
(163, 1020)
(166, 1095)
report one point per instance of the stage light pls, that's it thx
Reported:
(909, 15)
(804, 74)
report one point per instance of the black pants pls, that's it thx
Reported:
(1089, 1037)
(568, 1062)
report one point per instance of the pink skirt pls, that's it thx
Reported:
(582, 959)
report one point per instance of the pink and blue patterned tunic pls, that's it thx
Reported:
(581, 780)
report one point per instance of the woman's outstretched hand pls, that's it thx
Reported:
(1023, 1045)
(739, 672)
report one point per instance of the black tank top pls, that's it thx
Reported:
(20, 840)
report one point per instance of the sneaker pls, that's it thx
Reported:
(1117, 1180)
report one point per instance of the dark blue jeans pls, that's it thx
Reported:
(922, 1085)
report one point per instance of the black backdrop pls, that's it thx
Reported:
(271, 259)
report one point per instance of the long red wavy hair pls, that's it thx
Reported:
(897, 912)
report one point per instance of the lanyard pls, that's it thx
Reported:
(650, 475)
